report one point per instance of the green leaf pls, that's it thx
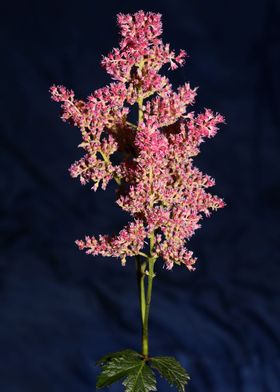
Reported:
(126, 364)
(140, 379)
(110, 356)
(172, 371)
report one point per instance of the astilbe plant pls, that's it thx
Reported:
(157, 183)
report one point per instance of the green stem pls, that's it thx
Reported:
(145, 334)
(141, 287)
(145, 297)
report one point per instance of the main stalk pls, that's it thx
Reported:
(145, 293)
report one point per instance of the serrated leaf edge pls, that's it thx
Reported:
(153, 361)
(117, 354)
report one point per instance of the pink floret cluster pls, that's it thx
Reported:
(158, 185)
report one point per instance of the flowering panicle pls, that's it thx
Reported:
(159, 186)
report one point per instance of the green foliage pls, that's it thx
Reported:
(116, 366)
(172, 371)
(136, 373)
(140, 379)
(128, 365)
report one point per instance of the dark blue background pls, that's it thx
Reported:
(60, 309)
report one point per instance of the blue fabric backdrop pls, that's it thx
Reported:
(61, 310)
